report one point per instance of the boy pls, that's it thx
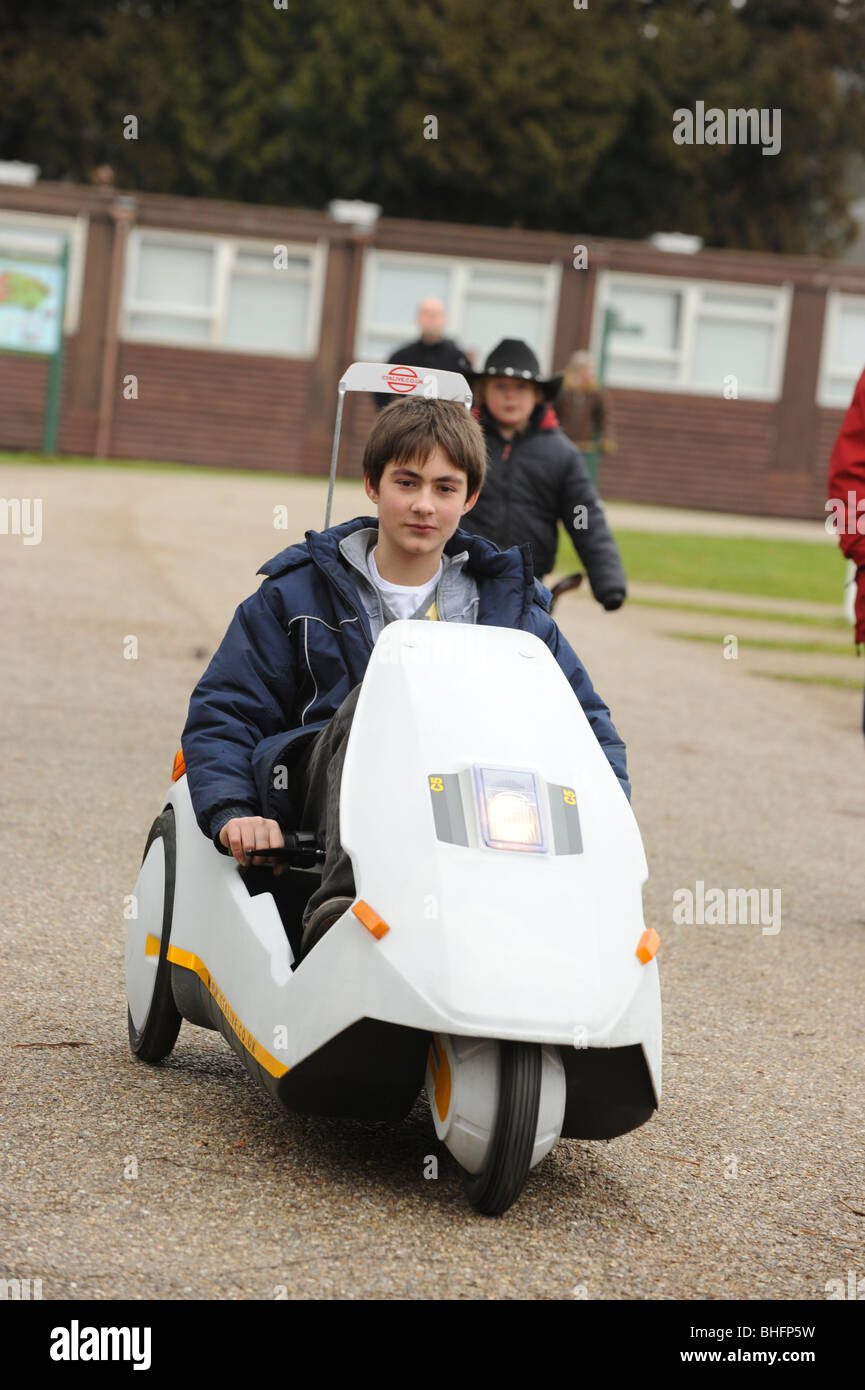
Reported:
(265, 738)
(536, 476)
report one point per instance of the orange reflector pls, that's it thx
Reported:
(371, 920)
(151, 945)
(179, 765)
(648, 947)
(441, 1070)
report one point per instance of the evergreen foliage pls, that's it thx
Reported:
(548, 116)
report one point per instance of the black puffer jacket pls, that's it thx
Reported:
(535, 480)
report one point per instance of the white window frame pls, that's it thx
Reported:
(825, 395)
(75, 229)
(692, 293)
(226, 249)
(461, 268)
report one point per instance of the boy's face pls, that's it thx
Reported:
(420, 504)
(511, 400)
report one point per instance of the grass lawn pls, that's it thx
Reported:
(725, 610)
(771, 644)
(833, 682)
(734, 565)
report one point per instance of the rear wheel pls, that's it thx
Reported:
(506, 1166)
(159, 1017)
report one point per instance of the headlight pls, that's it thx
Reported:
(509, 808)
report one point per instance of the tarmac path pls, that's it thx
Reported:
(748, 1182)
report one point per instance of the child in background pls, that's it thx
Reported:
(536, 477)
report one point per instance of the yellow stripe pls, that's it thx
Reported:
(252, 1045)
(151, 945)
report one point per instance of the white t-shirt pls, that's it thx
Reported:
(402, 599)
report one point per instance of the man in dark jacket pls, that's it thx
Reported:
(536, 476)
(269, 720)
(432, 348)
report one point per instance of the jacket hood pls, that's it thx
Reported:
(511, 569)
(300, 553)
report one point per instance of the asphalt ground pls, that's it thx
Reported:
(748, 1183)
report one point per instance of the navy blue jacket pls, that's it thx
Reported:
(301, 643)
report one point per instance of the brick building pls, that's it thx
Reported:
(726, 393)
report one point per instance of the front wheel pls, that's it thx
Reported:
(152, 1015)
(506, 1166)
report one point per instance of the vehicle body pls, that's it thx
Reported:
(496, 952)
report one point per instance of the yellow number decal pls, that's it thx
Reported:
(436, 784)
(570, 797)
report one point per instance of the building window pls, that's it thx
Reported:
(41, 235)
(693, 336)
(485, 302)
(843, 356)
(223, 293)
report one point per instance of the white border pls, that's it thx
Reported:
(692, 291)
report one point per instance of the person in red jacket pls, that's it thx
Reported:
(846, 503)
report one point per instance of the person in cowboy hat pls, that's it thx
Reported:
(535, 476)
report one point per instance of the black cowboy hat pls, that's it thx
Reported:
(513, 357)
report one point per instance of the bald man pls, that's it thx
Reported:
(432, 348)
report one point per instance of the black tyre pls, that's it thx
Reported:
(159, 1032)
(500, 1182)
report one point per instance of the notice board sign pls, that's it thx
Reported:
(31, 305)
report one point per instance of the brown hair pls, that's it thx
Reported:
(410, 430)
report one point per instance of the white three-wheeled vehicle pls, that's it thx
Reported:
(496, 952)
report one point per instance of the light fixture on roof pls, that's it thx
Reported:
(362, 216)
(679, 242)
(16, 171)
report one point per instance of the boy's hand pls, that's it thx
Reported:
(246, 833)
